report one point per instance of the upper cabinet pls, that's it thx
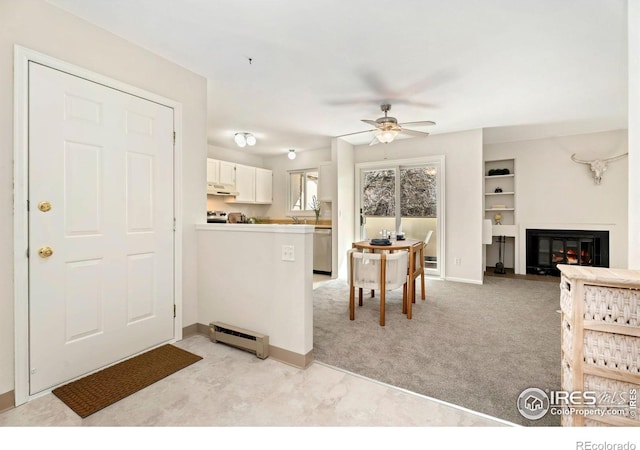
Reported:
(326, 181)
(213, 171)
(221, 172)
(227, 173)
(245, 184)
(252, 184)
(264, 186)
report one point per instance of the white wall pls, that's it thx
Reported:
(254, 288)
(342, 153)
(41, 27)
(634, 133)
(463, 193)
(552, 189)
(235, 155)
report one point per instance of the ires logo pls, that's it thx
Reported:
(534, 403)
(575, 398)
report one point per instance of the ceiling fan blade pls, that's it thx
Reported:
(423, 123)
(414, 133)
(403, 101)
(371, 122)
(357, 132)
(354, 101)
(376, 84)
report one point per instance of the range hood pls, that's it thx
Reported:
(221, 189)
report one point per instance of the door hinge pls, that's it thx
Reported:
(174, 311)
(27, 252)
(174, 138)
(28, 205)
(174, 224)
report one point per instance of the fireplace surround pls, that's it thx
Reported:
(546, 248)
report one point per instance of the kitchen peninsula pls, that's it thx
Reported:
(259, 277)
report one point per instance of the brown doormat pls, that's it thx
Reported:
(101, 389)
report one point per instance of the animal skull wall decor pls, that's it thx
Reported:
(598, 166)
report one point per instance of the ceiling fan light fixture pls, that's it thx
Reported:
(386, 136)
(244, 139)
(292, 154)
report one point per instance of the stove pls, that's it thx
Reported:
(216, 217)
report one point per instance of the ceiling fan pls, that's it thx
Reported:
(387, 127)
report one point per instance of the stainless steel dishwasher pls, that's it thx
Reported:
(322, 251)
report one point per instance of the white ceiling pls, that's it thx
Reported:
(518, 68)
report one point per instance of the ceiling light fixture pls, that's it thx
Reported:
(385, 136)
(244, 139)
(292, 154)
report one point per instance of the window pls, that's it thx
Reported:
(303, 186)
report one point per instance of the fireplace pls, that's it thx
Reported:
(548, 248)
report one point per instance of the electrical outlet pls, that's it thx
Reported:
(288, 253)
(457, 261)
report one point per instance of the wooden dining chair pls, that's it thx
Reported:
(420, 265)
(382, 271)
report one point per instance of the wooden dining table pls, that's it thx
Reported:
(414, 247)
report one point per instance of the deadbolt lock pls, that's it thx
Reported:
(44, 206)
(45, 252)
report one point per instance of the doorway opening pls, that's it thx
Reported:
(404, 197)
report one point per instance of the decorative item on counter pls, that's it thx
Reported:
(235, 217)
(498, 219)
(315, 205)
(493, 172)
(498, 189)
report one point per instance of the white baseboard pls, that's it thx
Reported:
(463, 280)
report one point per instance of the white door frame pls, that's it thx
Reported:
(437, 159)
(22, 56)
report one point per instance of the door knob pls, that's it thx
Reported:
(45, 252)
(44, 206)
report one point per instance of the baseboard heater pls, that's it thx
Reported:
(238, 337)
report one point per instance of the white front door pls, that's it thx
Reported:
(103, 160)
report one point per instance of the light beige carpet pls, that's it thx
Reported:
(474, 346)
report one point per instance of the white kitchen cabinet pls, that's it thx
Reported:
(326, 181)
(221, 172)
(227, 173)
(213, 170)
(264, 186)
(245, 184)
(254, 185)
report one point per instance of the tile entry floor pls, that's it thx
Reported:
(230, 387)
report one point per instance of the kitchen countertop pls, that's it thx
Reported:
(324, 223)
(257, 228)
